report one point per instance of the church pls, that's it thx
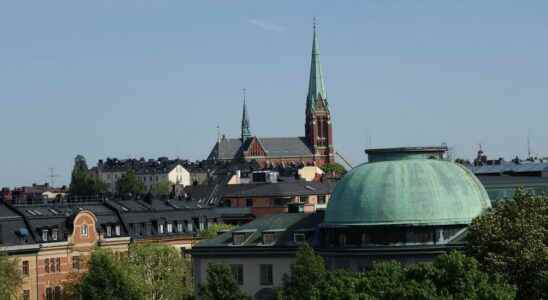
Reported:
(315, 148)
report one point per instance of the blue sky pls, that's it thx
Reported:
(154, 78)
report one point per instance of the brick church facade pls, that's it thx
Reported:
(315, 148)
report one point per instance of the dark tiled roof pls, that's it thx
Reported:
(226, 149)
(285, 146)
(283, 224)
(280, 189)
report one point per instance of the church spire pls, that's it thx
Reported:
(246, 132)
(316, 85)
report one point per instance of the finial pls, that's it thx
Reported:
(243, 93)
(314, 22)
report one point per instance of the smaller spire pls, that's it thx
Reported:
(246, 132)
(316, 85)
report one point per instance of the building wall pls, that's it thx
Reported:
(267, 205)
(179, 175)
(29, 281)
(251, 270)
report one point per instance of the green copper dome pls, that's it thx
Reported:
(408, 191)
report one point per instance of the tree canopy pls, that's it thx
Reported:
(83, 182)
(511, 239)
(129, 183)
(335, 168)
(214, 229)
(221, 285)
(10, 277)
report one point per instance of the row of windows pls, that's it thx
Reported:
(161, 228)
(52, 235)
(322, 199)
(54, 293)
(52, 265)
(266, 274)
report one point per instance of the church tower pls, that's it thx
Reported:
(319, 133)
(245, 131)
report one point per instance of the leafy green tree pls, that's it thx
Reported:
(161, 188)
(162, 271)
(214, 229)
(10, 277)
(83, 182)
(305, 277)
(221, 285)
(109, 279)
(129, 183)
(334, 168)
(511, 239)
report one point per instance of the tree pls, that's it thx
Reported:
(221, 285)
(213, 230)
(162, 270)
(305, 277)
(109, 279)
(161, 188)
(511, 239)
(334, 168)
(130, 184)
(10, 277)
(83, 182)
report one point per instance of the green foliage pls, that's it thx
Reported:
(221, 285)
(130, 184)
(511, 239)
(10, 277)
(305, 277)
(214, 229)
(161, 188)
(336, 168)
(161, 270)
(109, 279)
(83, 182)
(452, 276)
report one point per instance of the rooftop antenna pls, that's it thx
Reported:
(52, 176)
(218, 134)
(528, 145)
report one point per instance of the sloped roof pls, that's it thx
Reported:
(280, 189)
(285, 146)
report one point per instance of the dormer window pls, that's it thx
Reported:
(268, 238)
(238, 238)
(117, 230)
(161, 228)
(45, 235)
(109, 231)
(299, 237)
(169, 227)
(54, 234)
(84, 230)
(179, 227)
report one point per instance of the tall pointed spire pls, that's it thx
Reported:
(246, 132)
(316, 85)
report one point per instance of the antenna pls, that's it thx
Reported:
(218, 134)
(528, 145)
(243, 93)
(52, 176)
(314, 22)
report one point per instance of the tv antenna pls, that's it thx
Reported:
(52, 176)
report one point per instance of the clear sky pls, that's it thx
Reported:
(143, 78)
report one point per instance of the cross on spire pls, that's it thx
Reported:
(245, 130)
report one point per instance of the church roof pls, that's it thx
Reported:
(227, 149)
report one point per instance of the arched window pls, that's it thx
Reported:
(84, 230)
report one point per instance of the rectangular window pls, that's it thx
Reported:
(26, 267)
(117, 230)
(45, 235)
(179, 227)
(58, 264)
(238, 273)
(84, 230)
(322, 199)
(143, 228)
(268, 238)
(249, 202)
(46, 265)
(109, 231)
(169, 228)
(266, 275)
(76, 263)
(54, 234)
(160, 228)
(238, 238)
(299, 238)
(132, 228)
(26, 295)
(303, 199)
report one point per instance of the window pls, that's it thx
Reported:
(117, 230)
(49, 293)
(25, 267)
(45, 235)
(26, 295)
(266, 275)
(238, 238)
(46, 265)
(109, 231)
(160, 228)
(57, 294)
(322, 199)
(76, 263)
(84, 230)
(299, 238)
(143, 229)
(238, 273)
(169, 228)
(56, 264)
(132, 228)
(249, 202)
(268, 238)
(303, 199)
(179, 227)
(54, 234)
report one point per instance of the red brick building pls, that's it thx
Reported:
(315, 148)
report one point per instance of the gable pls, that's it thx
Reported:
(254, 148)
